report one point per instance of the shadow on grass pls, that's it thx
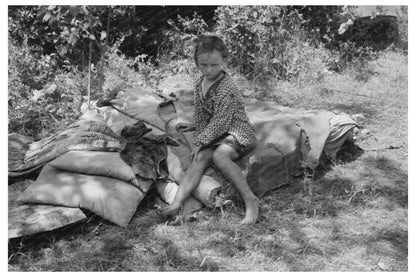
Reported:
(282, 217)
(36, 242)
(398, 238)
(391, 182)
(347, 153)
(381, 179)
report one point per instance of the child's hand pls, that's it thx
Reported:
(185, 127)
(195, 153)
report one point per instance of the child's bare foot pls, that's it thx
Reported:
(171, 210)
(252, 211)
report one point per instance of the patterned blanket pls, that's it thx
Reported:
(86, 134)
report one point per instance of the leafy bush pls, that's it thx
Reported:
(25, 74)
(180, 38)
(355, 58)
(70, 31)
(308, 63)
(378, 32)
(321, 22)
(119, 72)
(402, 19)
(42, 98)
(32, 69)
(267, 42)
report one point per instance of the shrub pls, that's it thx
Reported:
(26, 73)
(42, 98)
(268, 42)
(402, 19)
(355, 58)
(119, 72)
(377, 32)
(179, 39)
(321, 22)
(308, 63)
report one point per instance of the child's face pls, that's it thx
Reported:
(210, 64)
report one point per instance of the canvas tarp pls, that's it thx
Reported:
(288, 139)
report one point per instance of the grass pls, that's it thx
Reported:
(355, 219)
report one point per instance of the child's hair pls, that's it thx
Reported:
(209, 43)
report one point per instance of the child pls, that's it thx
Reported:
(223, 131)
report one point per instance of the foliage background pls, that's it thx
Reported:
(50, 47)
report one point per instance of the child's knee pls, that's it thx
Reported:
(202, 158)
(219, 158)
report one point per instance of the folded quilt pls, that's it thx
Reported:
(85, 134)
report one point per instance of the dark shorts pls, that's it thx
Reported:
(231, 141)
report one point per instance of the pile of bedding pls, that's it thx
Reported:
(107, 161)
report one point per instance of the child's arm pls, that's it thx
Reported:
(221, 120)
(185, 127)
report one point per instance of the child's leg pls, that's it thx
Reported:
(223, 159)
(189, 182)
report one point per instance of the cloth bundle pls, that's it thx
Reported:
(85, 166)
(288, 139)
(108, 160)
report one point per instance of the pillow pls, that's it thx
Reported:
(110, 198)
(31, 219)
(99, 163)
